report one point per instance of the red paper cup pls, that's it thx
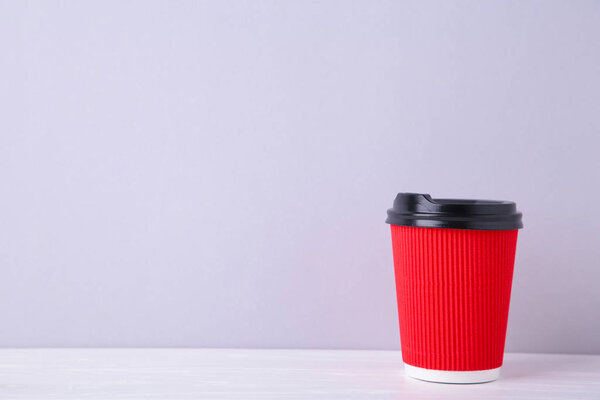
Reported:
(453, 261)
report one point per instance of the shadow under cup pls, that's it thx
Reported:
(453, 262)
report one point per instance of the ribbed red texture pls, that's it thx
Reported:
(453, 289)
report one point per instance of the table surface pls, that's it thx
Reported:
(274, 374)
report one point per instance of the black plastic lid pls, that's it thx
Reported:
(420, 210)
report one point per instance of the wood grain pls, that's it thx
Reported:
(273, 374)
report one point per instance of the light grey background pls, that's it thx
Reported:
(217, 173)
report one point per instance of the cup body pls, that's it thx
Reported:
(453, 291)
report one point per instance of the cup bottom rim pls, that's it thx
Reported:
(441, 376)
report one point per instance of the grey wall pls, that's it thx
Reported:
(217, 173)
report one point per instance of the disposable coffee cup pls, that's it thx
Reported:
(453, 262)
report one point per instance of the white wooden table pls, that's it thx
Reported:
(274, 374)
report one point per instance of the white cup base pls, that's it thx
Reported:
(434, 375)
